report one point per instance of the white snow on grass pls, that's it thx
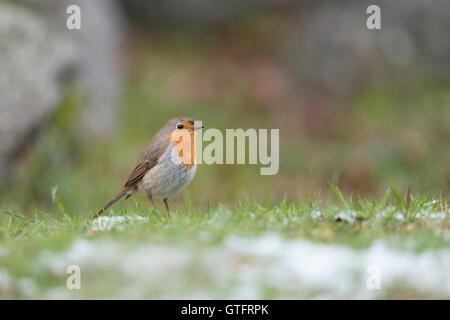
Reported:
(104, 223)
(349, 216)
(427, 214)
(400, 216)
(6, 283)
(316, 214)
(342, 272)
(28, 287)
(244, 268)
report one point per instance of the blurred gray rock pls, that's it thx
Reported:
(33, 61)
(334, 50)
(39, 56)
(98, 50)
(330, 47)
(191, 11)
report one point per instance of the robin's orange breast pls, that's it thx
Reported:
(168, 177)
(184, 148)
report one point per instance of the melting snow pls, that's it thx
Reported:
(104, 223)
(349, 216)
(242, 267)
(316, 214)
(6, 283)
(422, 214)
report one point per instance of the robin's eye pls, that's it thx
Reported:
(180, 126)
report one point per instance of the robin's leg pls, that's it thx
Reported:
(167, 207)
(149, 196)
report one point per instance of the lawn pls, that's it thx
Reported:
(336, 221)
(346, 247)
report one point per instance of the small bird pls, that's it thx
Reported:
(166, 166)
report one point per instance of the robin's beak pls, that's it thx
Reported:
(197, 128)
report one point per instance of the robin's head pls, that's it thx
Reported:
(177, 127)
(180, 125)
(183, 123)
(180, 132)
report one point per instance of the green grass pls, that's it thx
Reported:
(26, 243)
(390, 133)
(387, 132)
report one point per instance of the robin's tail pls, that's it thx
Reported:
(109, 204)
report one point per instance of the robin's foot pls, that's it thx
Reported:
(167, 207)
(98, 214)
(149, 196)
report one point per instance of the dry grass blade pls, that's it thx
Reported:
(408, 201)
(16, 215)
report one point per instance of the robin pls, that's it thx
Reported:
(166, 166)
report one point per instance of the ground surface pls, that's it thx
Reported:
(305, 249)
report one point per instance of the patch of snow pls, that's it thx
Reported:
(316, 214)
(349, 216)
(105, 223)
(422, 214)
(385, 212)
(381, 214)
(426, 214)
(83, 253)
(244, 267)
(28, 287)
(341, 272)
(431, 203)
(161, 261)
(6, 282)
(58, 293)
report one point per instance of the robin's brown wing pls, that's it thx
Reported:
(147, 160)
(139, 172)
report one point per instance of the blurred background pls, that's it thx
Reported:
(364, 109)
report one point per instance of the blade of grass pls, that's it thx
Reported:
(383, 200)
(338, 194)
(56, 200)
(398, 197)
(16, 215)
